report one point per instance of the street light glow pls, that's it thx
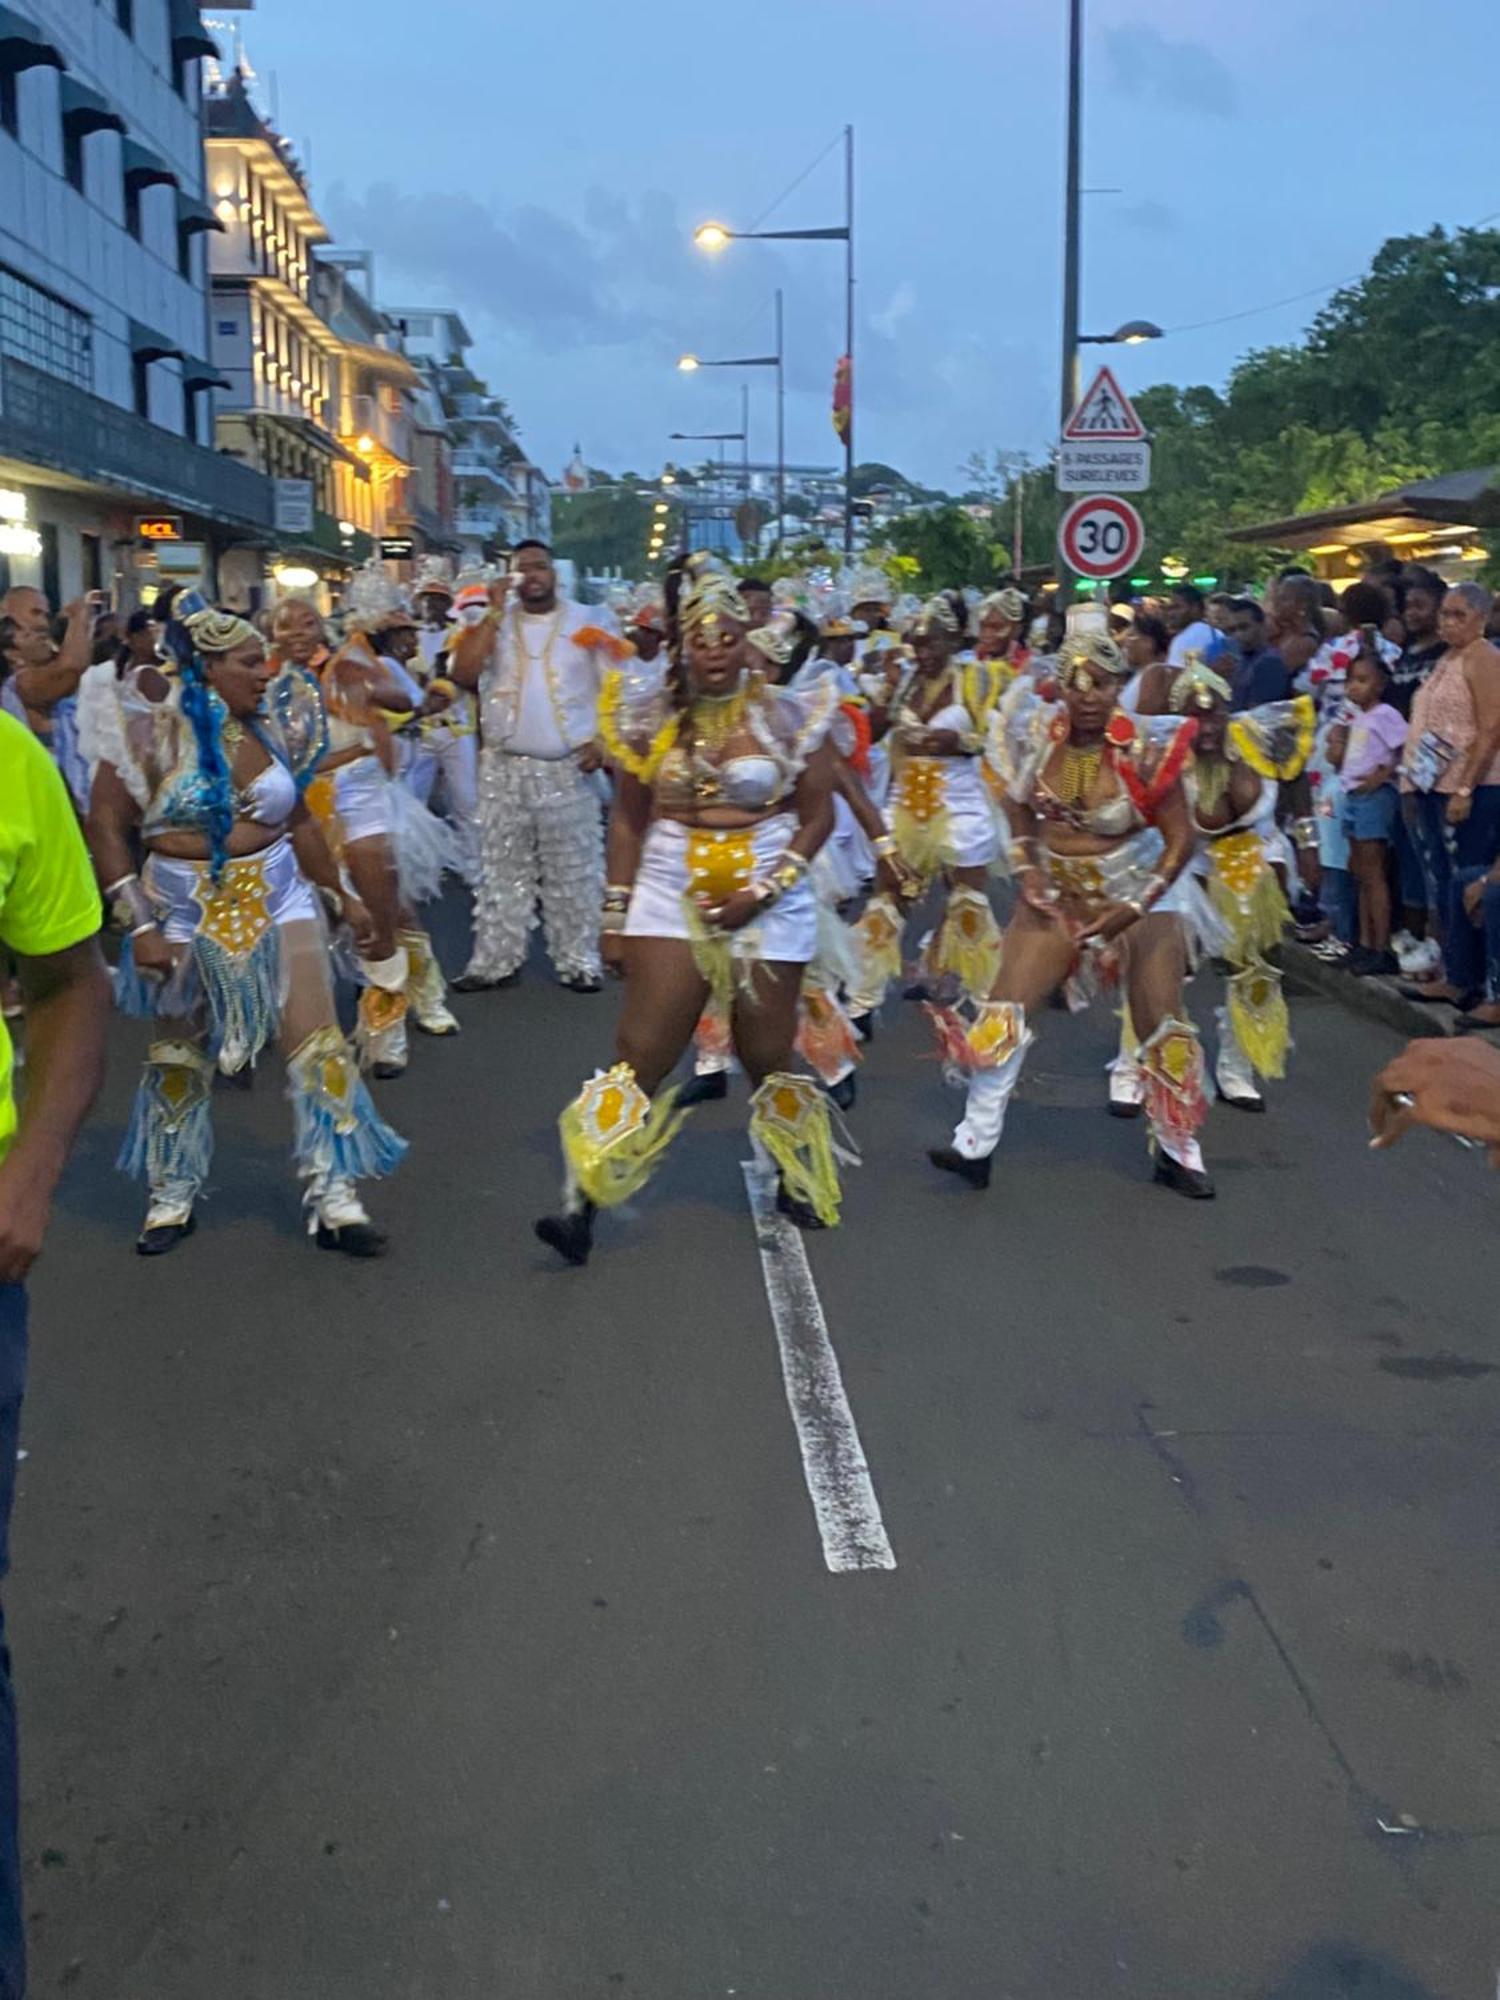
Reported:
(711, 236)
(1134, 331)
(661, 507)
(687, 363)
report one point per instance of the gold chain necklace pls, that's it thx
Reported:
(716, 719)
(1210, 782)
(1078, 773)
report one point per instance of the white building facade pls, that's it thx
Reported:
(107, 385)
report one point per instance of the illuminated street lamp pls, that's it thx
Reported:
(690, 363)
(716, 236)
(1131, 334)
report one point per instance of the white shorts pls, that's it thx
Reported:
(678, 861)
(975, 827)
(182, 889)
(362, 800)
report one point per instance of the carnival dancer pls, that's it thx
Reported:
(538, 664)
(1101, 831)
(446, 758)
(1230, 898)
(1001, 630)
(932, 715)
(227, 947)
(722, 802)
(391, 849)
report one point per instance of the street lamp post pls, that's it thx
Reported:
(1070, 216)
(721, 438)
(718, 236)
(690, 363)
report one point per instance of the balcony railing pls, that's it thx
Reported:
(45, 421)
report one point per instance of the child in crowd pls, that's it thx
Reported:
(1365, 749)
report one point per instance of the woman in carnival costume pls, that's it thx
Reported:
(392, 850)
(1001, 631)
(722, 801)
(227, 947)
(1101, 832)
(1230, 898)
(931, 716)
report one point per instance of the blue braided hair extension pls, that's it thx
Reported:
(205, 712)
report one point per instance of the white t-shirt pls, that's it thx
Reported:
(528, 711)
(1199, 637)
(536, 733)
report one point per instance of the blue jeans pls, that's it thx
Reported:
(1471, 953)
(1340, 904)
(12, 1388)
(1443, 848)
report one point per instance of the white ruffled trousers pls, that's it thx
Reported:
(541, 840)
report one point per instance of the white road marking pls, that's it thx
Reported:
(833, 1459)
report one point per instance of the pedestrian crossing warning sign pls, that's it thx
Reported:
(1104, 414)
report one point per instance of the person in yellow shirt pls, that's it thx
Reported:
(49, 922)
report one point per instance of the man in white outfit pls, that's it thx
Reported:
(541, 829)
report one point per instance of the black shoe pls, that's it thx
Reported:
(388, 1072)
(975, 1172)
(1367, 964)
(474, 982)
(919, 989)
(571, 1236)
(799, 1213)
(863, 1026)
(166, 1236)
(355, 1239)
(1255, 1104)
(581, 982)
(844, 1092)
(239, 1079)
(705, 1089)
(1183, 1180)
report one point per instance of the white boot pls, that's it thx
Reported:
(1000, 1029)
(337, 1219)
(425, 987)
(1234, 1074)
(380, 1032)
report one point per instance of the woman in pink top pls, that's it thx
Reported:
(1451, 766)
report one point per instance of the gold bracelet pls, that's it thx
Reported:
(612, 921)
(885, 847)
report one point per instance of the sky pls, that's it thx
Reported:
(541, 169)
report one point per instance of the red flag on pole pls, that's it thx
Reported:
(843, 396)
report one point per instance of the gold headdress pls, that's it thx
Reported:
(1198, 686)
(936, 614)
(1009, 603)
(711, 596)
(1093, 649)
(214, 631)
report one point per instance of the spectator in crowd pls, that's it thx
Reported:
(1146, 645)
(1451, 767)
(1422, 644)
(1218, 610)
(1445, 1085)
(137, 646)
(1259, 672)
(42, 691)
(1190, 630)
(1365, 749)
(1422, 593)
(49, 921)
(758, 600)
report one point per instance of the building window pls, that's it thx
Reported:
(93, 561)
(133, 210)
(10, 109)
(140, 376)
(39, 328)
(185, 252)
(190, 414)
(125, 15)
(73, 157)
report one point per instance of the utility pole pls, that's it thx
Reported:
(849, 338)
(1070, 215)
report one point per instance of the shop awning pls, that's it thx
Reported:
(84, 110)
(143, 168)
(189, 36)
(193, 217)
(146, 344)
(24, 46)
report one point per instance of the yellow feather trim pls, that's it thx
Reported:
(1259, 1017)
(967, 943)
(1252, 745)
(640, 764)
(789, 1115)
(614, 1136)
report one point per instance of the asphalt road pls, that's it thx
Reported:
(459, 1628)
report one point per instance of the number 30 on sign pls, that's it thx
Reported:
(1101, 536)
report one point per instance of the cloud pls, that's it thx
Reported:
(1185, 76)
(901, 305)
(1152, 218)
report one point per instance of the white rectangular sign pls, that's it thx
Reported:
(1103, 468)
(294, 506)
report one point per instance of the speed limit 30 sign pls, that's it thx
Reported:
(1101, 536)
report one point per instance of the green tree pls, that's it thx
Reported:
(605, 528)
(949, 548)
